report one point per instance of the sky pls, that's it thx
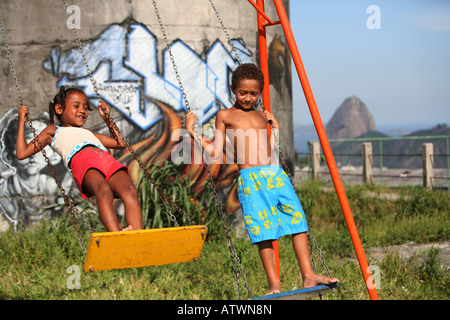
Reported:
(400, 71)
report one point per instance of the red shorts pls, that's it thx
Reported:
(100, 160)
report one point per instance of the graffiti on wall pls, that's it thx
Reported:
(125, 66)
(27, 187)
(124, 63)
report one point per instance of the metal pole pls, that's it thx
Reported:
(326, 149)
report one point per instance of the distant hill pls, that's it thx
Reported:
(439, 130)
(350, 120)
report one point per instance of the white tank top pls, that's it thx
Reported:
(69, 140)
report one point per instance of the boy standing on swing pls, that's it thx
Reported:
(270, 206)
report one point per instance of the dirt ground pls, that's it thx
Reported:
(407, 250)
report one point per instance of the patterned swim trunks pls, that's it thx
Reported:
(270, 206)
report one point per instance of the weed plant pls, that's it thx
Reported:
(196, 208)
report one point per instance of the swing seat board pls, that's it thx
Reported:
(299, 294)
(141, 248)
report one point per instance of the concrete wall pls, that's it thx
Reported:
(130, 63)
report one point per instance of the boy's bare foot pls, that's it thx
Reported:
(129, 228)
(317, 279)
(273, 290)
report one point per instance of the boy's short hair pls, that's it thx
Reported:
(247, 71)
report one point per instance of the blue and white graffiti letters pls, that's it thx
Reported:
(125, 69)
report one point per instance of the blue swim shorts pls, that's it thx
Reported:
(270, 206)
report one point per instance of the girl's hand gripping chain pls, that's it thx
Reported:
(23, 114)
(104, 110)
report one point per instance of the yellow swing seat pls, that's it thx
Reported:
(142, 248)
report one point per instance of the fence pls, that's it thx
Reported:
(423, 160)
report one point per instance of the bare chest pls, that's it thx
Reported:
(246, 121)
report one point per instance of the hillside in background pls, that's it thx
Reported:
(350, 120)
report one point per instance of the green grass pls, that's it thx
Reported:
(34, 264)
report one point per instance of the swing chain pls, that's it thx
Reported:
(165, 199)
(69, 203)
(312, 241)
(11, 65)
(77, 39)
(171, 57)
(225, 31)
(73, 211)
(235, 261)
(277, 143)
(114, 129)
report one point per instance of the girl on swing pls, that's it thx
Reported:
(95, 171)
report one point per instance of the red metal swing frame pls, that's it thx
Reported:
(263, 22)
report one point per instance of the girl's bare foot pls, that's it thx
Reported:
(317, 279)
